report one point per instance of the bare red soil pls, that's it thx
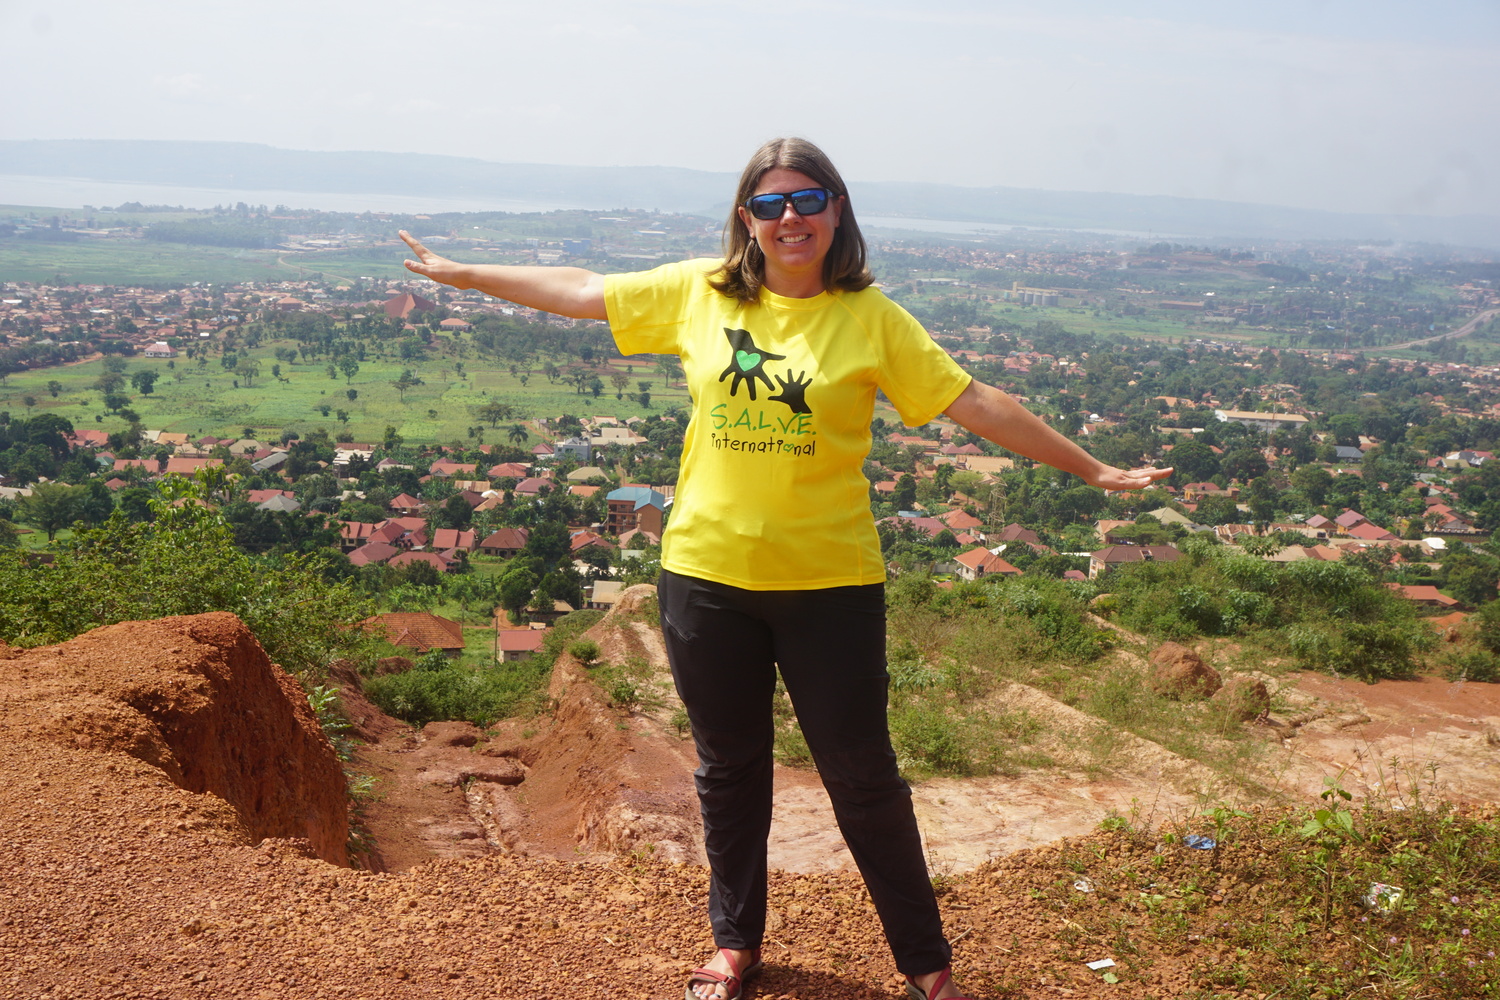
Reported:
(172, 824)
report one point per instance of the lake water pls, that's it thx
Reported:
(74, 193)
(71, 192)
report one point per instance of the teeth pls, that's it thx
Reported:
(794, 239)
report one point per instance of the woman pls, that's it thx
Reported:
(771, 560)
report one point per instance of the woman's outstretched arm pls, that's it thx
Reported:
(994, 415)
(566, 291)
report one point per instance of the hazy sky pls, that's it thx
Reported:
(1374, 105)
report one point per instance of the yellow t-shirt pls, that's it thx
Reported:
(770, 495)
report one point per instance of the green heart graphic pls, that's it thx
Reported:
(746, 360)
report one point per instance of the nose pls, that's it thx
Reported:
(787, 208)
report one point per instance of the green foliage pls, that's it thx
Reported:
(457, 692)
(184, 562)
(1333, 616)
(585, 651)
(1471, 665)
(1387, 898)
(1487, 626)
(625, 684)
(1367, 650)
(324, 701)
(930, 738)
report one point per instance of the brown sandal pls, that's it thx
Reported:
(733, 983)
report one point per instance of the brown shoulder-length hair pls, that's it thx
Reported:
(744, 268)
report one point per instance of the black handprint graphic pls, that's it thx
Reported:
(748, 362)
(792, 389)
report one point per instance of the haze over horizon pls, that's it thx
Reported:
(1333, 105)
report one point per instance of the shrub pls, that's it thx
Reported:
(185, 562)
(926, 740)
(1472, 665)
(1487, 626)
(455, 692)
(585, 651)
(1054, 613)
(1367, 650)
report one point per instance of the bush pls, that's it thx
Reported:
(1367, 650)
(478, 695)
(185, 562)
(1055, 615)
(1472, 665)
(926, 740)
(1487, 626)
(585, 651)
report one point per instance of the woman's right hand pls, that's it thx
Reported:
(430, 265)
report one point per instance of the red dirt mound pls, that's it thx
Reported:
(196, 699)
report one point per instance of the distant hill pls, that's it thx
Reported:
(249, 166)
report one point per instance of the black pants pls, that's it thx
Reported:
(724, 645)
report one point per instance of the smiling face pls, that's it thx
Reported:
(794, 245)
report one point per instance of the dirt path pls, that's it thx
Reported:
(1392, 739)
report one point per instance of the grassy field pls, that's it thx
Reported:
(148, 264)
(203, 399)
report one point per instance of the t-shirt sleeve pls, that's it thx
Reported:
(916, 375)
(646, 308)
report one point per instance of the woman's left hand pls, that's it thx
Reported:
(1110, 478)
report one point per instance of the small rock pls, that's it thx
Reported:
(1178, 672)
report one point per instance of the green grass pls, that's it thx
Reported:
(951, 655)
(114, 262)
(206, 401)
(1282, 907)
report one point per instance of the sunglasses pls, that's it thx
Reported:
(766, 207)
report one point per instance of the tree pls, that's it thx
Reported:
(408, 380)
(51, 507)
(349, 367)
(1314, 482)
(1194, 461)
(548, 542)
(54, 387)
(1215, 510)
(1244, 464)
(517, 434)
(905, 495)
(1261, 499)
(144, 381)
(1345, 428)
(495, 411)
(457, 513)
(343, 416)
(248, 370)
(515, 590)
(351, 394)
(619, 380)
